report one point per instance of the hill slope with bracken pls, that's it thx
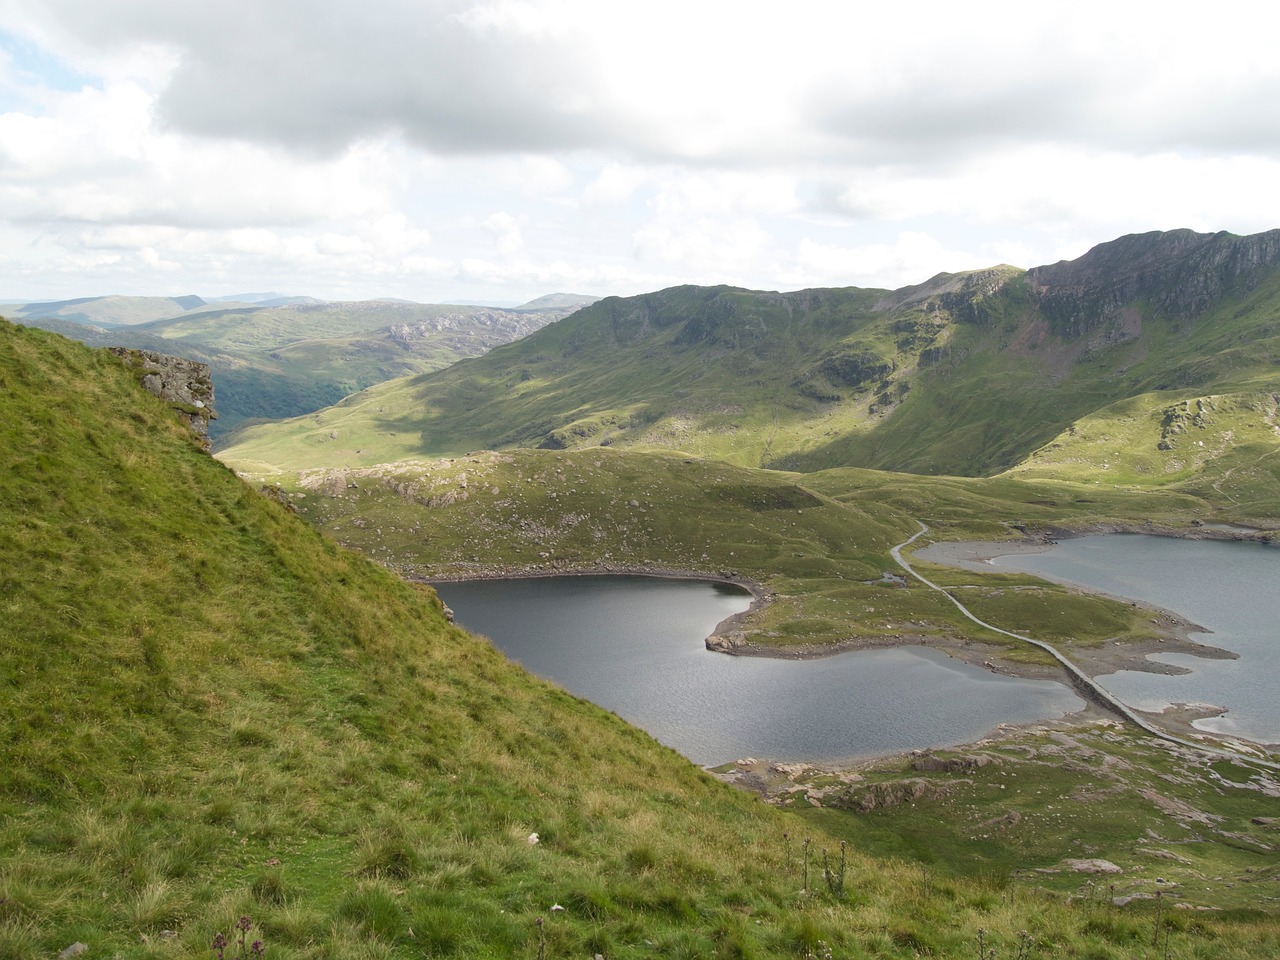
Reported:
(965, 374)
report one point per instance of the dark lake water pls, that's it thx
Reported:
(634, 645)
(1232, 588)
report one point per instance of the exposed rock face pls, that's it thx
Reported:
(185, 384)
(1091, 866)
(927, 762)
(965, 296)
(1178, 274)
(878, 796)
(489, 327)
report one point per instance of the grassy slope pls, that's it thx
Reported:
(1222, 447)
(636, 371)
(198, 685)
(976, 383)
(210, 710)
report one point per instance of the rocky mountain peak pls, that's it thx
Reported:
(1178, 274)
(952, 286)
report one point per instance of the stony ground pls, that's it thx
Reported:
(1091, 809)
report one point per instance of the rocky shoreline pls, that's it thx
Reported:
(760, 594)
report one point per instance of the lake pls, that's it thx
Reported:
(635, 645)
(1229, 587)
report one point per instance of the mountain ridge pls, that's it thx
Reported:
(965, 373)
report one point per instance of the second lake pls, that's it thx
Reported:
(1230, 588)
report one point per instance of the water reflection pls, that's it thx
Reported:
(634, 645)
(1229, 587)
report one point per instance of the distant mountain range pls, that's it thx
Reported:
(967, 374)
(285, 356)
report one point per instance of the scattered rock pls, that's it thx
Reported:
(929, 763)
(75, 950)
(1166, 855)
(1010, 819)
(879, 796)
(726, 642)
(1177, 809)
(1092, 866)
(792, 770)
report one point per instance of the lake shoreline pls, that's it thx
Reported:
(729, 638)
(1174, 631)
(760, 594)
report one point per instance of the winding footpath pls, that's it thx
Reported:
(1084, 684)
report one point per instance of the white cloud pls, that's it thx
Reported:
(615, 185)
(505, 231)
(909, 258)
(440, 148)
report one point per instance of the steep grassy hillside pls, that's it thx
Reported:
(966, 374)
(211, 712)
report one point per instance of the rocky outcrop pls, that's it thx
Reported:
(1178, 274)
(185, 384)
(963, 297)
(865, 798)
(928, 762)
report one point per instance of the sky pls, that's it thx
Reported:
(502, 149)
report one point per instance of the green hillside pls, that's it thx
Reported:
(212, 712)
(966, 374)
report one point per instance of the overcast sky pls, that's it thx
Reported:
(433, 149)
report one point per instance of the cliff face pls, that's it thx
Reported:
(1177, 274)
(185, 384)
